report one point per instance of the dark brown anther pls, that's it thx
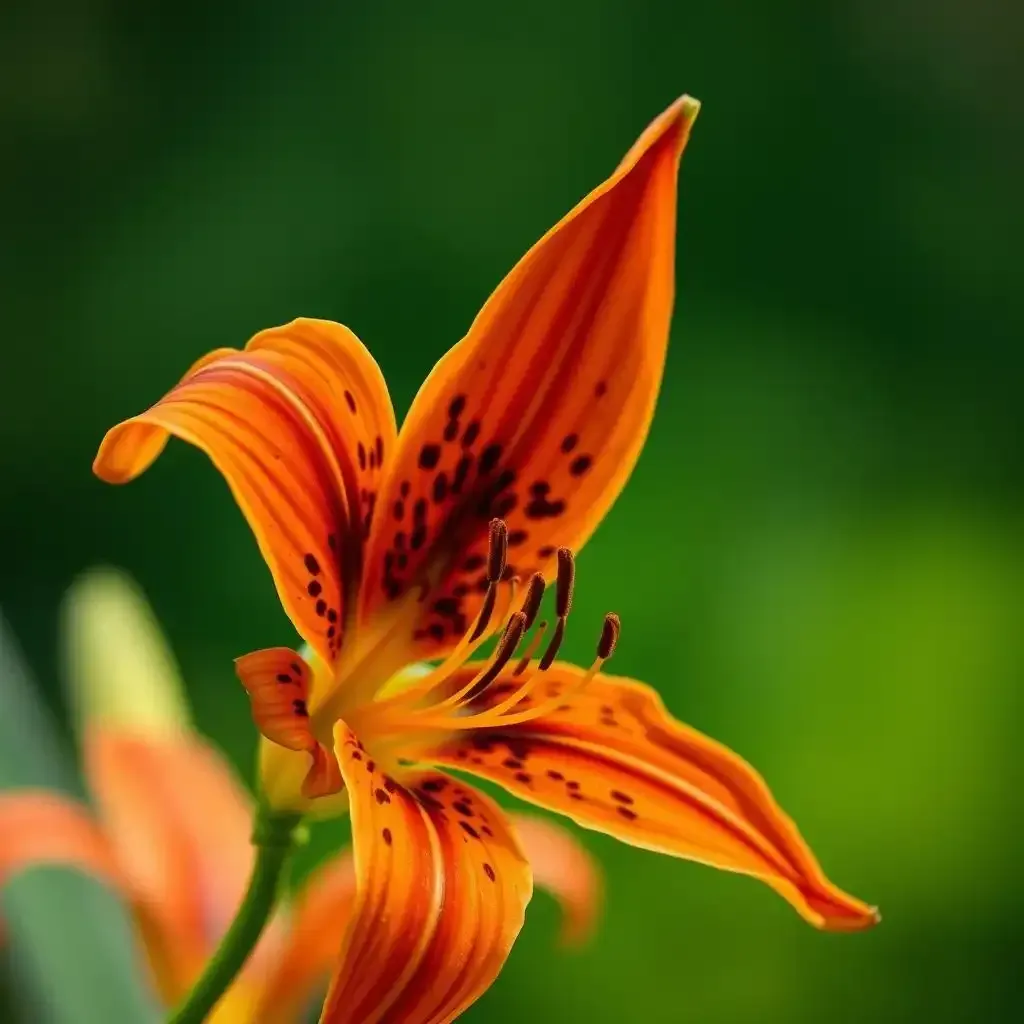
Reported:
(534, 596)
(555, 643)
(609, 636)
(486, 611)
(507, 645)
(566, 576)
(497, 549)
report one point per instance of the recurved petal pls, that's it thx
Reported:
(278, 682)
(563, 866)
(538, 415)
(613, 759)
(442, 888)
(298, 424)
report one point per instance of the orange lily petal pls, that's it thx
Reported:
(562, 866)
(538, 415)
(179, 824)
(39, 827)
(278, 682)
(442, 888)
(298, 424)
(612, 759)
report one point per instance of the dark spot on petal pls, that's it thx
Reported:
(312, 564)
(509, 762)
(331, 630)
(446, 606)
(436, 631)
(385, 834)
(461, 472)
(524, 777)
(313, 588)
(332, 615)
(572, 784)
(489, 458)
(451, 431)
(380, 450)
(557, 776)
(419, 510)
(569, 442)
(517, 537)
(463, 808)
(296, 668)
(486, 830)
(283, 677)
(361, 454)
(429, 456)
(580, 465)
(600, 388)
(434, 785)
(382, 796)
(371, 766)
(489, 871)
(440, 487)
(321, 607)
(455, 409)
(623, 798)
(577, 796)
(299, 707)
(470, 434)
(356, 756)
(546, 552)
(627, 813)
(398, 509)
(468, 829)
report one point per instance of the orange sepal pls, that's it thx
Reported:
(278, 682)
(612, 759)
(442, 888)
(538, 415)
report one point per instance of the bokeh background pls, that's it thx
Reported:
(820, 557)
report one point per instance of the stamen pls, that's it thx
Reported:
(507, 645)
(609, 636)
(534, 596)
(531, 650)
(486, 611)
(552, 649)
(564, 584)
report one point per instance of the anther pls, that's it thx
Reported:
(497, 549)
(609, 636)
(566, 576)
(507, 645)
(534, 596)
(556, 642)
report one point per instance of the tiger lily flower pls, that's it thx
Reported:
(389, 549)
(171, 827)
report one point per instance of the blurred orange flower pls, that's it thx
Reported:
(171, 833)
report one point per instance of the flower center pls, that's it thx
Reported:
(503, 692)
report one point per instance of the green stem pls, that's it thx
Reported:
(275, 836)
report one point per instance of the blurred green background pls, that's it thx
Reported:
(819, 559)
